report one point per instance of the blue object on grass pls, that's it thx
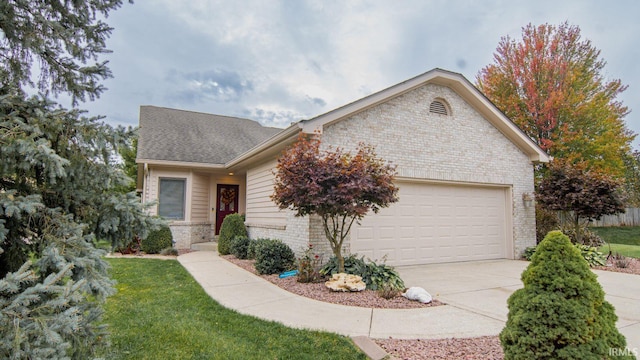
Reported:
(288, 274)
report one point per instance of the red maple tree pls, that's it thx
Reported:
(338, 186)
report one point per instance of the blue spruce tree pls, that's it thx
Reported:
(60, 189)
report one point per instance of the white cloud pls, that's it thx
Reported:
(279, 61)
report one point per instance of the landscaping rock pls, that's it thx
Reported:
(418, 294)
(345, 282)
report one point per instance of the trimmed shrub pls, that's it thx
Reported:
(252, 247)
(561, 312)
(273, 257)
(232, 226)
(157, 240)
(239, 246)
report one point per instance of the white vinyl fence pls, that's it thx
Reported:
(631, 217)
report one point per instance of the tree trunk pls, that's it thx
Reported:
(340, 261)
(578, 234)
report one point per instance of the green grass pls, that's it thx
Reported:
(629, 235)
(161, 312)
(624, 240)
(622, 249)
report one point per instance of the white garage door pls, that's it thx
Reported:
(436, 223)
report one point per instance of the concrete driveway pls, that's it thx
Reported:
(483, 287)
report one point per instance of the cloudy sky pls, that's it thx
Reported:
(282, 61)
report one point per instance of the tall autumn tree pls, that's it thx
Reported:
(338, 186)
(60, 186)
(550, 84)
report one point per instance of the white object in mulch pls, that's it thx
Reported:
(418, 294)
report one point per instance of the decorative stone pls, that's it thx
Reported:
(345, 282)
(418, 294)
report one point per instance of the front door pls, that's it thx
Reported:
(227, 200)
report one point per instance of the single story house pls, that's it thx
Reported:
(465, 173)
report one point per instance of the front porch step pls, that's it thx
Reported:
(205, 246)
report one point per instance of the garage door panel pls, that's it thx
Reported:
(386, 232)
(407, 232)
(436, 223)
(364, 233)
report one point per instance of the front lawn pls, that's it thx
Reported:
(160, 312)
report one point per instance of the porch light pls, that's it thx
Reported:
(527, 199)
(230, 174)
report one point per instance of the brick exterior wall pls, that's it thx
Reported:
(186, 234)
(298, 234)
(461, 147)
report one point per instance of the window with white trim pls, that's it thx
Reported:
(171, 198)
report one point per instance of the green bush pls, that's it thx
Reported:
(239, 246)
(157, 240)
(254, 247)
(561, 312)
(592, 255)
(232, 226)
(374, 275)
(352, 265)
(528, 253)
(273, 257)
(380, 276)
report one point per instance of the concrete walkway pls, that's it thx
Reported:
(475, 292)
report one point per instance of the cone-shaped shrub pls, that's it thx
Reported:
(561, 312)
(232, 227)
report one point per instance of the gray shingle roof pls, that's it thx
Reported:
(179, 135)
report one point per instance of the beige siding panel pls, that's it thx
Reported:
(260, 209)
(200, 198)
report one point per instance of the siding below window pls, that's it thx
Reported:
(261, 210)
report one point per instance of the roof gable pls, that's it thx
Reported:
(193, 137)
(456, 82)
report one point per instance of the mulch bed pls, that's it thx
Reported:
(318, 291)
